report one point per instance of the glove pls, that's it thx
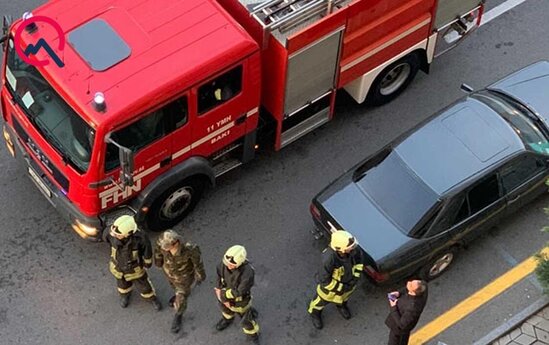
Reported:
(199, 278)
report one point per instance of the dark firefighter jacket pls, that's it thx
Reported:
(130, 256)
(236, 285)
(339, 274)
(184, 266)
(405, 315)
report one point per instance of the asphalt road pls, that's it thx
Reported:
(56, 289)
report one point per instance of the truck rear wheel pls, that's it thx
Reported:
(175, 204)
(393, 80)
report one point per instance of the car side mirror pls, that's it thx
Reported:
(466, 88)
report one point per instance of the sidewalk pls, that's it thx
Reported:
(533, 331)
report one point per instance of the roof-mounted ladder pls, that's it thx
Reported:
(286, 14)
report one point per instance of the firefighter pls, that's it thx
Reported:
(342, 266)
(131, 254)
(182, 264)
(235, 278)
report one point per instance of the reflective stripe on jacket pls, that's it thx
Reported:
(339, 274)
(236, 285)
(130, 256)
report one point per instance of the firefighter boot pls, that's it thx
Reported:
(124, 300)
(176, 323)
(223, 323)
(156, 303)
(316, 317)
(344, 311)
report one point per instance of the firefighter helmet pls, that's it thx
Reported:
(342, 241)
(236, 255)
(168, 238)
(124, 226)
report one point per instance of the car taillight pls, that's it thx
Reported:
(314, 211)
(375, 275)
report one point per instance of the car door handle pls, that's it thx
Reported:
(240, 120)
(514, 199)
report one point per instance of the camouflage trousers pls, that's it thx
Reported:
(182, 289)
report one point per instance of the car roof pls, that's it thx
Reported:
(461, 141)
(173, 45)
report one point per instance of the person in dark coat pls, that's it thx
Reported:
(406, 308)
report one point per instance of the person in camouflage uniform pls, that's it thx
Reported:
(182, 264)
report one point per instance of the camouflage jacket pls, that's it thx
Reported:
(184, 265)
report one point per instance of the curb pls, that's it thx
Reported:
(514, 322)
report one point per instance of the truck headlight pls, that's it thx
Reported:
(84, 230)
(9, 143)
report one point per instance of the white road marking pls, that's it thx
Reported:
(499, 10)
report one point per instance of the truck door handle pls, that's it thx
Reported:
(165, 161)
(240, 120)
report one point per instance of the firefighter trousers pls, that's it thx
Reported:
(247, 314)
(323, 298)
(142, 283)
(182, 291)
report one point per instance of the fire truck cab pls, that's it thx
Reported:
(155, 99)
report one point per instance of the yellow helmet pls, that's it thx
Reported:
(124, 225)
(236, 255)
(342, 241)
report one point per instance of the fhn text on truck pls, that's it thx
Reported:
(157, 99)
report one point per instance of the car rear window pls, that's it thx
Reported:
(395, 189)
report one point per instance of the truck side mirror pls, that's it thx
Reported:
(125, 157)
(6, 23)
(126, 165)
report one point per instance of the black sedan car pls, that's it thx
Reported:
(423, 196)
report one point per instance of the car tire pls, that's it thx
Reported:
(393, 80)
(173, 205)
(440, 264)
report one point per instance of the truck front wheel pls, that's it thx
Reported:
(393, 80)
(175, 204)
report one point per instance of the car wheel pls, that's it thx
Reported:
(174, 204)
(393, 80)
(439, 265)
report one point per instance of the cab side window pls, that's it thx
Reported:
(519, 171)
(148, 129)
(219, 90)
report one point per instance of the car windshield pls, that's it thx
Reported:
(48, 112)
(519, 118)
(398, 192)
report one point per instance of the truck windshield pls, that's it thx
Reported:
(58, 123)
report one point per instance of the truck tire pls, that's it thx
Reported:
(440, 264)
(393, 80)
(175, 204)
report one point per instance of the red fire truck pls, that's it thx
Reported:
(154, 99)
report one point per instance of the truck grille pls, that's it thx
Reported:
(40, 156)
